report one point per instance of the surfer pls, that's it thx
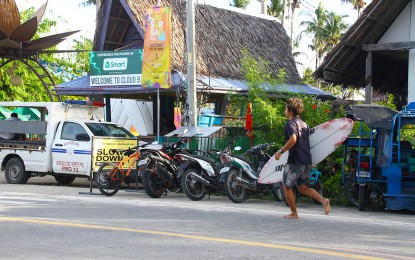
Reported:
(298, 167)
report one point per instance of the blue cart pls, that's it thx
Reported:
(379, 163)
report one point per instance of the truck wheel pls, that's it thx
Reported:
(15, 172)
(64, 180)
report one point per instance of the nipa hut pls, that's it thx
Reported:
(221, 34)
(375, 51)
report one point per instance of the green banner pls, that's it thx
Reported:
(115, 68)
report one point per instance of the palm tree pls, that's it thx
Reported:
(357, 4)
(294, 5)
(334, 29)
(326, 29)
(315, 28)
(240, 3)
(263, 6)
(89, 3)
(275, 8)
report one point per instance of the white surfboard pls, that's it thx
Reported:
(324, 139)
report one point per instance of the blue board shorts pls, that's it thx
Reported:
(295, 174)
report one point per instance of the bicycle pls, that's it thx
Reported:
(109, 182)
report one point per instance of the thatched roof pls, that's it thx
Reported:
(220, 36)
(345, 64)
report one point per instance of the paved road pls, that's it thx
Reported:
(41, 220)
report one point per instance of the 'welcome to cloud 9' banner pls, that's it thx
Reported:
(157, 48)
(116, 68)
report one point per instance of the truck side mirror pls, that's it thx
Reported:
(82, 137)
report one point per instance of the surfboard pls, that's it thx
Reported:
(324, 139)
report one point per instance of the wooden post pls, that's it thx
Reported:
(369, 87)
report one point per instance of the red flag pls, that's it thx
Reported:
(248, 124)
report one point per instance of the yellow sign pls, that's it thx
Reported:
(105, 150)
(157, 48)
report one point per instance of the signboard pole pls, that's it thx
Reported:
(158, 115)
(191, 63)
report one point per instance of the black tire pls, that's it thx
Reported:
(276, 190)
(15, 172)
(105, 182)
(351, 188)
(152, 184)
(194, 190)
(318, 186)
(362, 197)
(64, 180)
(235, 192)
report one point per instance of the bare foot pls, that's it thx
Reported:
(326, 206)
(291, 216)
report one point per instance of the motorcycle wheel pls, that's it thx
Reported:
(105, 180)
(151, 184)
(235, 192)
(278, 192)
(193, 189)
(352, 188)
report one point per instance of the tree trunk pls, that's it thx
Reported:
(264, 7)
(284, 4)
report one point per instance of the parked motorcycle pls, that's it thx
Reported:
(199, 174)
(158, 168)
(242, 179)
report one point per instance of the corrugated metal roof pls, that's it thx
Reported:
(81, 86)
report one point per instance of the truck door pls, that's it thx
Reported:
(71, 150)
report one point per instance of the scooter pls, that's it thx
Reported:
(158, 168)
(242, 179)
(199, 174)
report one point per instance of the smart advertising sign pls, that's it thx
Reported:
(116, 68)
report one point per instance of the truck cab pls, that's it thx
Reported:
(59, 144)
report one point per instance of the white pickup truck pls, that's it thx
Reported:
(59, 144)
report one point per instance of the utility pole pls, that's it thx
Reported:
(191, 64)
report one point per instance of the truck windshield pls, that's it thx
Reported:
(110, 130)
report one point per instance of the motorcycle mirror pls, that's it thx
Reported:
(237, 148)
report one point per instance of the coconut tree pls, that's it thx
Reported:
(357, 4)
(315, 29)
(240, 3)
(334, 29)
(325, 28)
(294, 5)
(89, 3)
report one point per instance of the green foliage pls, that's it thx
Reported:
(32, 88)
(240, 3)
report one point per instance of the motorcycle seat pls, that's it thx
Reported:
(211, 161)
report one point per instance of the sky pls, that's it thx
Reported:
(72, 16)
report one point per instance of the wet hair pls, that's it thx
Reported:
(295, 105)
(13, 115)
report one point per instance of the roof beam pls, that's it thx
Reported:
(132, 17)
(389, 46)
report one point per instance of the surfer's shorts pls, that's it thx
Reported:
(295, 174)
